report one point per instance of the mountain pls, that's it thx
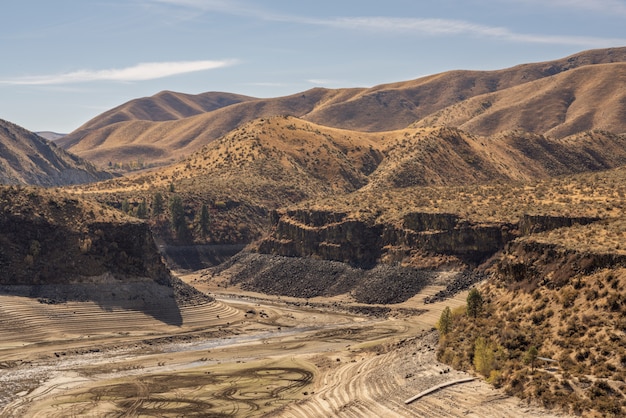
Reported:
(166, 105)
(157, 143)
(135, 131)
(26, 158)
(50, 136)
(578, 100)
(451, 156)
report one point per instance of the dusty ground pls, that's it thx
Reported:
(243, 355)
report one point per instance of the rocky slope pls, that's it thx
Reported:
(562, 293)
(26, 158)
(57, 247)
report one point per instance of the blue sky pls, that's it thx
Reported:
(66, 61)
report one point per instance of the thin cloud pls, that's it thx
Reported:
(604, 7)
(419, 26)
(447, 27)
(322, 81)
(139, 72)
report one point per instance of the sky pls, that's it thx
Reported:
(64, 62)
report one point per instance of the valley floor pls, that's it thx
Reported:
(243, 355)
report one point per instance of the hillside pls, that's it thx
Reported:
(165, 105)
(134, 132)
(272, 163)
(565, 104)
(560, 293)
(450, 156)
(158, 143)
(261, 166)
(26, 158)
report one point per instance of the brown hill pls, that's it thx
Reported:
(567, 103)
(118, 136)
(165, 105)
(274, 162)
(166, 142)
(26, 158)
(263, 165)
(449, 156)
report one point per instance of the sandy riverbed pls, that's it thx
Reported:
(242, 355)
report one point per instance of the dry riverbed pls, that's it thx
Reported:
(243, 355)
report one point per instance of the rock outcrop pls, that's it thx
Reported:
(56, 247)
(365, 242)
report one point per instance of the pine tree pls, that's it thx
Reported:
(142, 209)
(531, 356)
(157, 204)
(203, 221)
(474, 303)
(177, 217)
(125, 206)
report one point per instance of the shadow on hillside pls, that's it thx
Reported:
(150, 298)
(198, 257)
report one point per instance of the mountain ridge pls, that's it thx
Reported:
(27, 158)
(380, 108)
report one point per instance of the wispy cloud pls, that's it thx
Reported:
(604, 7)
(139, 72)
(322, 81)
(422, 26)
(447, 27)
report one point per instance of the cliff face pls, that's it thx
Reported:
(530, 264)
(326, 235)
(364, 242)
(35, 252)
(56, 247)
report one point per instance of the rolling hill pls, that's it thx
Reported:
(26, 158)
(135, 132)
(581, 99)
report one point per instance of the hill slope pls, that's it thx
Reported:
(272, 163)
(26, 158)
(132, 133)
(449, 156)
(568, 103)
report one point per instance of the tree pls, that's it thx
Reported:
(157, 204)
(125, 206)
(445, 321)
(142, 209)
(531, 357)
(203, 221)
(177, 211)
(474, 303)
(484, 357)
(177, 217)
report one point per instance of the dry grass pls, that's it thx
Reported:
(586, 195)
(562, 105)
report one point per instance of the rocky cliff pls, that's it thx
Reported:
(363, 242)
(57, 247)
